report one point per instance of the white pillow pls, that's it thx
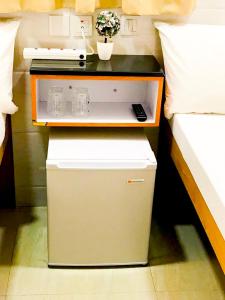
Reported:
(194, 58)
(8, 31)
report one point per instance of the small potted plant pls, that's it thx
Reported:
(107, 25)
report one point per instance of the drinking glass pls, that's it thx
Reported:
(80, 102)
(56, 103)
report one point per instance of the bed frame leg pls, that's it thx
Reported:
(7, 185)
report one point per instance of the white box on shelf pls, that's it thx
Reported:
(110, 100)
(111, 88)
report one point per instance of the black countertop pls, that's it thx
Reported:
(118, 65)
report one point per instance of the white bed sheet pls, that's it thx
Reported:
(2, 127)
(201, 139)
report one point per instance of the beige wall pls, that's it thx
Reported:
(30, 143)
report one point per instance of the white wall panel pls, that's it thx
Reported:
(22, 120)
(208, 16)
(210, 4)
(30, 155)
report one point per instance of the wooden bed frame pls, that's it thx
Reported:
(214, 235)
(7, 187)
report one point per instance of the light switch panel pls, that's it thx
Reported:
(129, 25)
(59, 25)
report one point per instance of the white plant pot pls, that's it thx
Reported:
(104, 50)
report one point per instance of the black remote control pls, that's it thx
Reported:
(139, 112)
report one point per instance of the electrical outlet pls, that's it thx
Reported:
(129, 25)
(77, 22)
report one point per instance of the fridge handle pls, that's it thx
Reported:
(101, 164)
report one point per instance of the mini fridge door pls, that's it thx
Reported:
(99, 212)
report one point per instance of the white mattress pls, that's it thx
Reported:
(2, 127)
(201, 139)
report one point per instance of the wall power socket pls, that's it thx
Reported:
(77, 22)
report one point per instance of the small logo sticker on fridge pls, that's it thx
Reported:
(136, 180)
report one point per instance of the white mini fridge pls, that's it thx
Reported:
(100, 186)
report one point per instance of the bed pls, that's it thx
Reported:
(3, 140)
(195, 70)
(7, 188)
(201, 166)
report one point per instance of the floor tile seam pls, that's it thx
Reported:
(78, 294)
(108, 292)
(157, 296)
(177, 262)
(10, 269)
(190, 290)
(11, 262)
(12, 266)
(29, 186)
(152, 277)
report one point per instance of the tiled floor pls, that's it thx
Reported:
(180, 269)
